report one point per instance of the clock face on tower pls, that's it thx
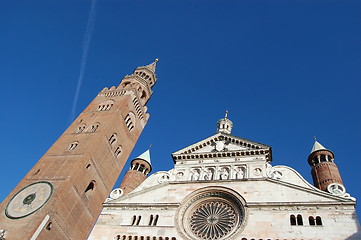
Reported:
(29, 199)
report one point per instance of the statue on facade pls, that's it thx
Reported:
(195, 174)
(208, 174)
(239, 173)
(224, 174)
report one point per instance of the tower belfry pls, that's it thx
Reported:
(324, 171)
(62, 195)
(224, 125)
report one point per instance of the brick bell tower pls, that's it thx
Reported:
(139, 169)
(324, 171)
(62, 195)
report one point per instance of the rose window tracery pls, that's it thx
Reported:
(213, 220)
(211, 213)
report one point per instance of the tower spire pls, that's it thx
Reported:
(153, 65)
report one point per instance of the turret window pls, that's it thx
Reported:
(141, 168)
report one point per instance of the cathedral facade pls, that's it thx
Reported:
(224, 187)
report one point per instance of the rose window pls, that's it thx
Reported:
(213, 220)
(211, 213)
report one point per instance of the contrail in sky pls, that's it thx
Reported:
(84, 57)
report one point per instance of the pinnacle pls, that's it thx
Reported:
(317, 146)
(145, 156)
(153, 65)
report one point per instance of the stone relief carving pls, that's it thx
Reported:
(240, 172)
(163, 178)
(179, 175)
(195, 173)
(273, 173)
(224, 173)
(208, 174)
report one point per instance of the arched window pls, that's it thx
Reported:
(141, 168)
(80, 128)
(138, 220)
(318, 221)
(130, 120)
(155, 220)
(293, 220)
(49, 226)
(73, 145)
(106, 105)
(150, 220)
(93, 127)
(89, 189)
(118, 151)
(133, 220)
(136, 166)
(113, 139)
(311, 221)
(299, 219)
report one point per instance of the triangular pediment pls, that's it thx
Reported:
(222, 144)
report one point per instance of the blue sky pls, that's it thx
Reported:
(285, 70)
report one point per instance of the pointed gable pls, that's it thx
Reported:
(222, 145)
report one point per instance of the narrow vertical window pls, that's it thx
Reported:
(118, 151)
(113, 138)
(299, 219)
(311, 221)
(150, 220)
(138, 220)
(155, 220)
(133, 220)
(318, 221)
(293, 220)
